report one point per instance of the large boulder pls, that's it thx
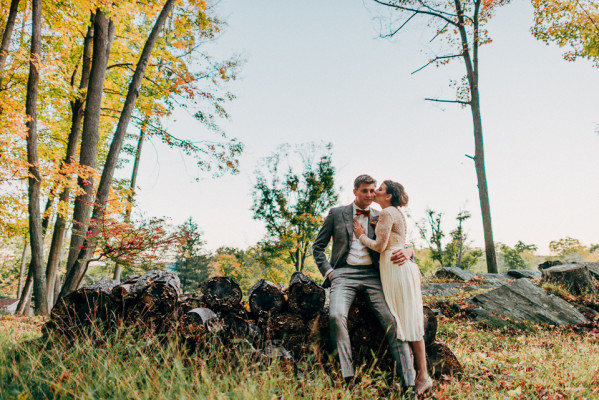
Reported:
(524, 273)
(521, 300)
(575, 278)
(454, 274)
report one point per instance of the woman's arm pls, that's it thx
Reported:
(383, 232)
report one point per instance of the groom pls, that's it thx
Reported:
(353, 268)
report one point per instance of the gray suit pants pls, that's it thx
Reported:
(345, 284)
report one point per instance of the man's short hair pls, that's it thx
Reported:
(364, 180)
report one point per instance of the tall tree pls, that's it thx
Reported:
(7, 35)
(76, 273)
(77, 109)
(35, 223)
(569, 23)
(460, 23)
(90, 135)
(192, 261)
(290, 199)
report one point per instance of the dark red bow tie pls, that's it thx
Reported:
(363, 212)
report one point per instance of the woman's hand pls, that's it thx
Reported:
(358, 229)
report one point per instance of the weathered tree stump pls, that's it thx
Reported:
(306, 297)
(442, 361)
(430, 326)
(221, 293)
(549, 264)
(575, 278)
(266, 298)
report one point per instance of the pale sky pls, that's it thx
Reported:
(317, 71)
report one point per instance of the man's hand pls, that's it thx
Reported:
(401, 256)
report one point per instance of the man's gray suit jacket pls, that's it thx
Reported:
(339, 225)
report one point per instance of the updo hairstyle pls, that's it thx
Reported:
(399, 197)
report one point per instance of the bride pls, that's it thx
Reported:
(401, 284)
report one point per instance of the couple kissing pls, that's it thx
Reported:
(369, 255)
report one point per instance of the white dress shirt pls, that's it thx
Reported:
(358, 253)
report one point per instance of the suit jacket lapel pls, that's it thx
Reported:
(372, 216)
(348, 217)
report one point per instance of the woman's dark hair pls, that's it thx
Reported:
(399, 197)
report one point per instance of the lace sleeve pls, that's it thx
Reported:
(383, 231)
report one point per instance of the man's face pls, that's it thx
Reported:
(364, 195)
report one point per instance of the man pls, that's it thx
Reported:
(353, 268)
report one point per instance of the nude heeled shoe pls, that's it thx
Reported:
(424, 388)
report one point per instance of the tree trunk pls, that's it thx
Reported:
(35, 223)
(140, 142)
(479, 156)
(76, 273)
(77, 108)
(118, 268)
(10, 24)
(26, 293)
(22, 269)
(90, 135)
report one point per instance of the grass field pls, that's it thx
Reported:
(539, 363)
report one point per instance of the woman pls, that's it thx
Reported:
(401, 284)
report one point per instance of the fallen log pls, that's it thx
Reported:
(85, 305)
(306, 297)
(266, 298)
(221, 293)
(196, 323)
(158, 291)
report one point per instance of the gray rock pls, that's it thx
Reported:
(453, 273)
(593, 268)
(490, 276)
(480, 314)
(524, 273)
(521, 300)
(487, 285)
(441, 289)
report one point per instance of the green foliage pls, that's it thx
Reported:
(292, 191)
(573, 24)
(513, 256)
(192, 260)
(568, 249)
(434, 241)
(455, 253)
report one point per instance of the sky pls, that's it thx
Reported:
(317, 71)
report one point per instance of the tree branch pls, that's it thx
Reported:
(436, 59)
(417, 11)
(398, 29)
(450, 101)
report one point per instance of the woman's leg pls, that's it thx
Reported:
(419, 352)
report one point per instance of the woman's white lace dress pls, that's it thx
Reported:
(401, 283)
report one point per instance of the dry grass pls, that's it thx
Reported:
(541, 363)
